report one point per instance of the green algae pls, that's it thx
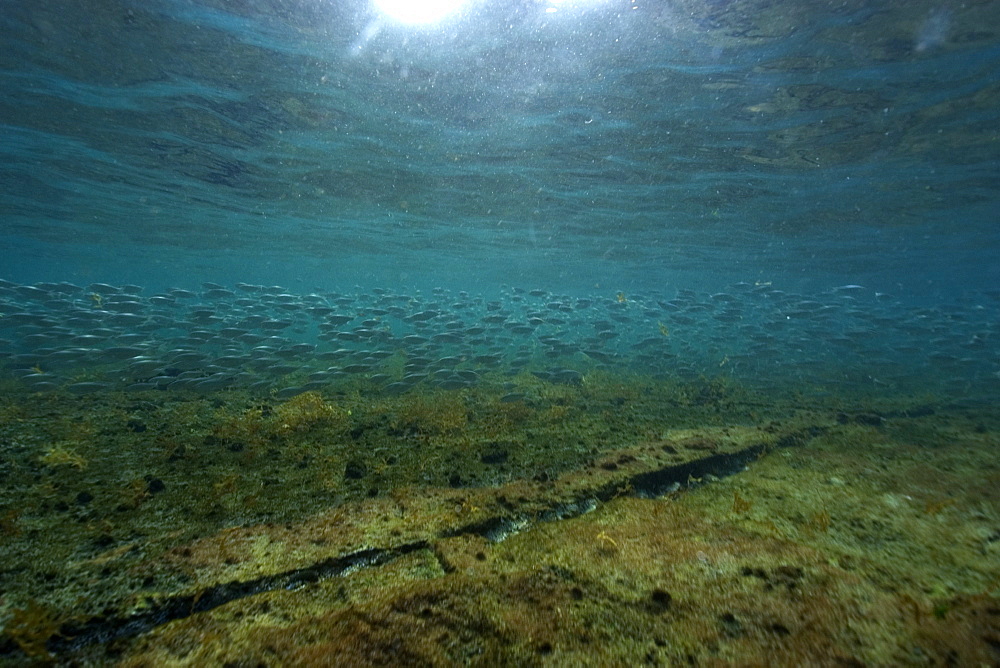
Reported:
(166, 498)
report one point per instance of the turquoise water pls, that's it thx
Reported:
(274, 261)
(603, 146)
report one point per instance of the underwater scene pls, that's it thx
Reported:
(500, 333)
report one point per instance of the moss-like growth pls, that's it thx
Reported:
(31, 627)
(60, 456)
(262, 424)
(309, 410)
(431, 414)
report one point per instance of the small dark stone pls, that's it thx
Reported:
(455, 480)
(661, 599)
(731, 625)
(494, 457)
(755, 572)
(354, 471)
(83, 498)
(576, 593)
(545, 648)
(104, 540)
(136, 426)
(155, 485)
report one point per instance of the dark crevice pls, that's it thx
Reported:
(104, 629)
(672, 478)
(72, 636)
(646, 485)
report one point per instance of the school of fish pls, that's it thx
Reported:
(85, 339)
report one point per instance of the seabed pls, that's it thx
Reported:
(618, 521)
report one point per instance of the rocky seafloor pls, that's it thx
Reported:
(620, 521)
